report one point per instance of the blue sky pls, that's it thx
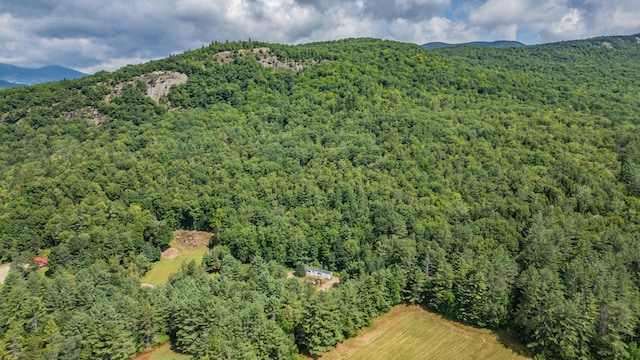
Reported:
(91, 35)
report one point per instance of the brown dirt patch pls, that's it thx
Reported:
(161, 351)
(328, 284)
(170, 253)
(191, 239)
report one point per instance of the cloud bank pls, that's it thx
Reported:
(91, 35)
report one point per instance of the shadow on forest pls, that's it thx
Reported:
(502, 336)
(512, 343)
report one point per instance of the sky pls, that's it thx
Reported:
(93, 35)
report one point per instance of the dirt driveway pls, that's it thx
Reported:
(4, 271)
(326, 284)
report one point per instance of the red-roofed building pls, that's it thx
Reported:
(42, 262)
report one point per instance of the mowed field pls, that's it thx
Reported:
(185, 246)
(412, 333)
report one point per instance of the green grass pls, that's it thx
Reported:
(412, 333)
(159, 273)
(161, 352)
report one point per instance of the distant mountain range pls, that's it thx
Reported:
(13, 76)
(6, 84)
(493, 44)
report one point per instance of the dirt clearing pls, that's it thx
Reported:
(191, 240)
(328, 284)
(170, 253)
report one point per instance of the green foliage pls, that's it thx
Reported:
(497, 186)
(212, 260)
(300, 270)
(630, 165)
(320, 329)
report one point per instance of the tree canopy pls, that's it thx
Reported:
(497, 186)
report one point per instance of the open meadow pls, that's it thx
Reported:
(185, 246)
(410, 332)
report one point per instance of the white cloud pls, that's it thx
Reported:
(570, 25)
(499, 12)
(554, 20)
(96, 34)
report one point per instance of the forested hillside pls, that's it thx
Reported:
(500, 187)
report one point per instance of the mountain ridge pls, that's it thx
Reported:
(491, 44)
(16, 76)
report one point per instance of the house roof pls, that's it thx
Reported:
(309, 268)
(40, 259)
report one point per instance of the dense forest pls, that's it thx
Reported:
(499, 187)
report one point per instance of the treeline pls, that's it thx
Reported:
(244, 312)
(501, 184)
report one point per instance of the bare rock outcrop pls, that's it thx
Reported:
(266, 58)
(158, 84)
(88, 113)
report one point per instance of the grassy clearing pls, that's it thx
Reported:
(161, 352)
(410, 332)
(192, 245)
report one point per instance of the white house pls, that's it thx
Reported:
(325, 274)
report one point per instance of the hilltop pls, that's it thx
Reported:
(491, 44)
(498, 187)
